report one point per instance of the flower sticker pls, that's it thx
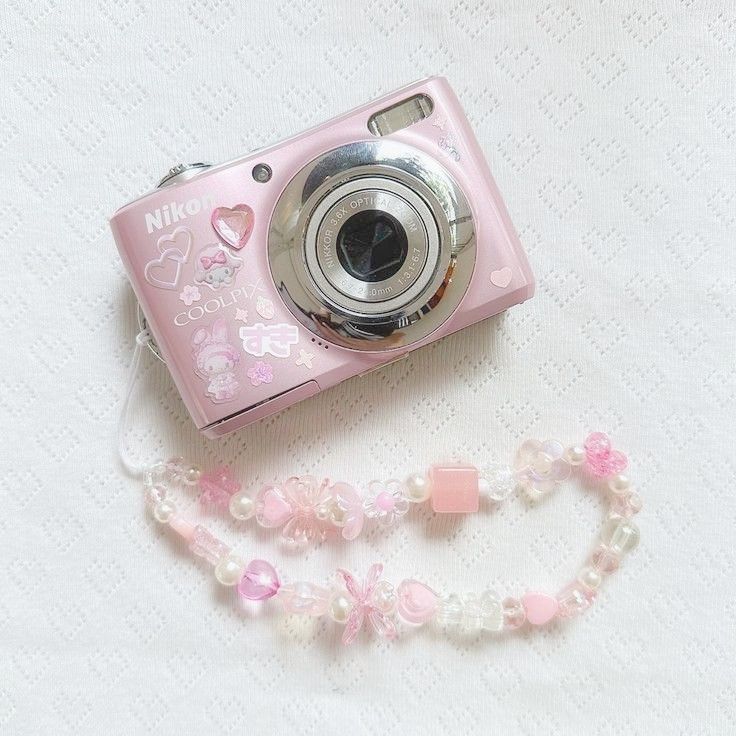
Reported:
(385, 502)
(540, 466)
(190, 294)
(260, 372)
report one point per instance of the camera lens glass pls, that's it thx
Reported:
(372, 246)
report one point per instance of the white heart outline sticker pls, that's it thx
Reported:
(164, 240)
(170, 254)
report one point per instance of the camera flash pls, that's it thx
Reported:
(402, 115)
(262, 173)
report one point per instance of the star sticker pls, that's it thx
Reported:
(305, 359)
(440, 123)
(241, 314)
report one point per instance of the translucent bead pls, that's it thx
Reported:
(499, 482)
(449, 611)
(574, 599)
(417, 488)
(336, 515)
(605, 560)
(417, 602)
(384, 597)
(626, 506)
(304, 598)
(241, 506)
(340, 607)
(575, 455)
(229, 570)
(492, 611)
(259, 581)
(156, 494)
(590, 578)
(163, 511)
(192, 475)
(620, 534)
(619, 484)
(472, 614)
(206, 545)
(514, 614)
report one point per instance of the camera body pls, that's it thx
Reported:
(269, 278)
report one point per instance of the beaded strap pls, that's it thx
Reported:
(307, 510)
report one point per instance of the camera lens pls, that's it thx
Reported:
(372, 246)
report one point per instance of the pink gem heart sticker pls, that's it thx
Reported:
(259, 581)
(233, 225)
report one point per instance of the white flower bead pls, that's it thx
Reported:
(163, 511)
(242, 506)
(229, 570)
(417, 488)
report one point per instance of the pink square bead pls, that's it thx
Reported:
(454, 488)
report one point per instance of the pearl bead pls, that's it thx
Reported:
(163, 511)
(417, 488)
(619, 484)
(384, 597)
(192, 475)
(241, 506)
(337, 515)
(590, 578)
(229, 570)
(340, 607)
(575, 455)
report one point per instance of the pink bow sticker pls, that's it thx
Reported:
(208, 262)
(233, 225)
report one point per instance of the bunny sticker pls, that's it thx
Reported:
(215, 266)
(215, 360)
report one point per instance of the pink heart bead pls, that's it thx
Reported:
(540, 608)
(233, 224)
(259, 581)
(416, 602)
(276, 509)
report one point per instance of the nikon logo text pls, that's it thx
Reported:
(177, 211)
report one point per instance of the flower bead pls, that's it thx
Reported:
(260, 372)
(375, 601)
(540, 466)
(601, 459)
(346, 510)
(297, 506)
(385, 502)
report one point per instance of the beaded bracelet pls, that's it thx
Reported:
(307, 510)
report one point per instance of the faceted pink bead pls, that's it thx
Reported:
(574, 599)
(540, 608)
(217, 486)
(259, 581)
(303, 598)
(514, 614)
(417, 602)
(204, 544)
(605, 560)
(455, 489)
(626, 506)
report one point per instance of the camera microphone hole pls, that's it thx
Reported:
(262, 173)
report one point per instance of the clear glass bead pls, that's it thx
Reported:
(500, 481)
(492, 611)
(472, 614)
(626, 506)
(306, 599)
(156, 494)
(590, 577)
(605, 560)
(191, 475)
(621, 535)
(514, 614)
(449, 611)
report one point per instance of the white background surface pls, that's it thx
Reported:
(610, 127)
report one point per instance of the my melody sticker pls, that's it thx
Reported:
(214, 266)
(215, 359)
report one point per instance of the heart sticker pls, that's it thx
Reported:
(233, 225)
(179, 239)
(502, 277)
(158, 271)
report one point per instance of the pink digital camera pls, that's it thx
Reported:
(269, 278)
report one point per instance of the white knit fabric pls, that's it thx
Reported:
(610, 127)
